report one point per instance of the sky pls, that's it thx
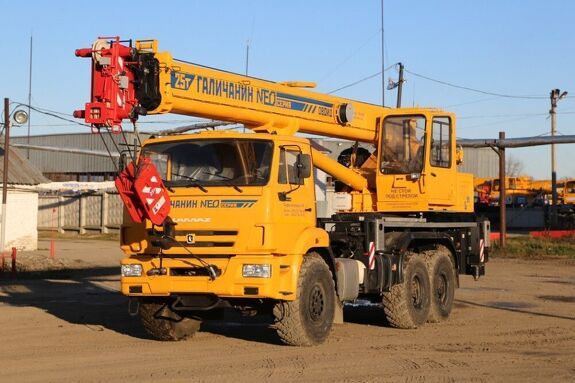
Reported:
(513, 48)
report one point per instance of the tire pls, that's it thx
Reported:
(307, 320)
(442, 277)
(163, 324)
(407, 305)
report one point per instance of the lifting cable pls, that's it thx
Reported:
(132, 157)
(108, 150)
(116, 146)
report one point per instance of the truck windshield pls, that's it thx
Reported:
(403, 143)
(205, 162)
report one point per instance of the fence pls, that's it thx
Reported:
(85, 213)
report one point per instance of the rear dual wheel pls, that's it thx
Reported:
(407, 304)
(442, 276)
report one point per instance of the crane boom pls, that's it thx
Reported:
(129, 82)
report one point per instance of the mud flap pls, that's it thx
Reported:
(338, 314)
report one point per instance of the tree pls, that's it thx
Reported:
(513, 167)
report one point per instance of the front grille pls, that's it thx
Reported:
(208, 238)
(208, 244)
(193, 271)
(207, 233)
(136, 289)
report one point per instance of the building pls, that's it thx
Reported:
(21, 202)
(481, 162)
(59, 165)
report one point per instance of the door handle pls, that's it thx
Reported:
(308, 209)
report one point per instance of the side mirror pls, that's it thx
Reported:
(303, 166)
(459, 155)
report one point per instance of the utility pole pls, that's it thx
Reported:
(247, 56)
(400, 85)
(247, 64)
(5, 172)
(502, 195)
(555, 96)
(382, 60)
(29, 98)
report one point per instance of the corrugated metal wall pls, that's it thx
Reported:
(54, 162)
(481, 162)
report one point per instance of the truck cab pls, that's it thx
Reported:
(243, 203)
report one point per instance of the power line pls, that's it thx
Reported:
(52, 114)
(471, 102)
(496, 123)
(476, 90)
(362, 80)
(335, 68)
(501, 115)
(139, 123)
(60, 116)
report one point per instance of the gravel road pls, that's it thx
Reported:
(516, 324)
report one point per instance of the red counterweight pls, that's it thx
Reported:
(113, 95)
(143, 192)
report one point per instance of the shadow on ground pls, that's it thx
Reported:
(367, 314)
(77, 297)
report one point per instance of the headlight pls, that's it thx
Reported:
(257, 271)
(134, 270)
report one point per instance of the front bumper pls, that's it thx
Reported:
(229, 284)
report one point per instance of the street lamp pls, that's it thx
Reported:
(555, 96)
(20, 117)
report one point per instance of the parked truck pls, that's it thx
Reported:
(231, 223)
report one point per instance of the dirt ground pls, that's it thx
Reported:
(516, 324)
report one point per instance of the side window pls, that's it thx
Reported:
(441, 142)
(288, 167)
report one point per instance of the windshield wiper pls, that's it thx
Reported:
(191, 182)
(227, 181)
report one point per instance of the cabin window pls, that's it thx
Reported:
(441, 142)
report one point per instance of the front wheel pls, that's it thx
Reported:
(307, 320)
(164, 324)
(407, 304)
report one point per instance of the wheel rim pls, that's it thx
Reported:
(416, 292)
(441, 289)
(316, 303)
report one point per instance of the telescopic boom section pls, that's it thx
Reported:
(131, 81)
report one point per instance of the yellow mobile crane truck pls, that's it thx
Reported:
(240, 227)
